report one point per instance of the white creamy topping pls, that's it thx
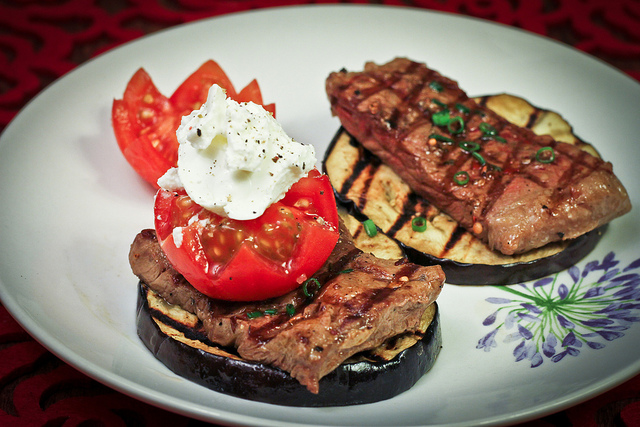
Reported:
(235, 159)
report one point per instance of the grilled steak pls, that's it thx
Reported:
(357, 303)
(513, 189)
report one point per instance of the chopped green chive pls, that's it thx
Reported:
(488, 129)
(310, 292)
(462, 108)
(441, 138)
(479, 158)
(461, 178)
(439, 103)
(291, 310)
(370, 228)
(345, 271)
(255, 314)
(456, 125)
(545, 155)
(419, 224)
(436, 86)
(271, 311)
(469, 146)
(441, 118)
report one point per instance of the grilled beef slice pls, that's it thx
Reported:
(517, 197)
(361, 302)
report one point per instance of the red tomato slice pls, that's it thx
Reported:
(145, 121)
(250, 260)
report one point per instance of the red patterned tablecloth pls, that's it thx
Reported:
(40, 40)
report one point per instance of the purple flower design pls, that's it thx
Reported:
(488, 341)
(562, 315)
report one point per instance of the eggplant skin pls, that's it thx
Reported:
(362, 381)
(506, 274)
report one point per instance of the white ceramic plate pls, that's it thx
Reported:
(70, 206)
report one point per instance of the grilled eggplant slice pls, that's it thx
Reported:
(177, 339)
(368, 189)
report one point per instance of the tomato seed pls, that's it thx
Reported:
(146, 114)
(303, 203)
(183, 202)
(147, 98)
(477, 228)
(265, 243)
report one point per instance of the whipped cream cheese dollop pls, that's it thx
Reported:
(235, 159)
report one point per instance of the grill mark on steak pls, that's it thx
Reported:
(370, 302)
(497, 186)
(389, 109)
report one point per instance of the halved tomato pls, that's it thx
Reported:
(250, 260)
(145, 121)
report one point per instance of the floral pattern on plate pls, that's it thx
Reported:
(564, 314)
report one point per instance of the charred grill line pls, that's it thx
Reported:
(454, 238)
(196, 333)
(392, 121)
(407, 210)
(361, 310)
(533, 118)
(368, 174)
(411, 100)
(407, 271)
(266, 331)
(571, 176)
(482, 100)
(365, 161)
(499, 185)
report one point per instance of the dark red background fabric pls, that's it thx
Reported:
(40, 40)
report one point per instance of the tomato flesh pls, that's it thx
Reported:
(250, 260)
(144, 124)
(252, 93)
(145, 121)
(192, 93)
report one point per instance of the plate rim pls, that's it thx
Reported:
(126, 386)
